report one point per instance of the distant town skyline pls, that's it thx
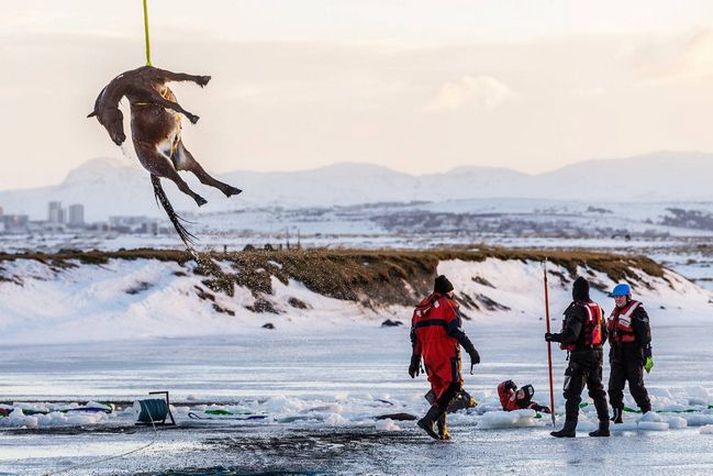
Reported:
(419, 87)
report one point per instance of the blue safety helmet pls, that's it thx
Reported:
(621, 290)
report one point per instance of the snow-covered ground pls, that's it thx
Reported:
(319, 379)
(320, 389)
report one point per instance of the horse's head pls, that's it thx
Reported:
(113, 121)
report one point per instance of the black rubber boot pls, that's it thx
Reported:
(426, 423)
(442, 426)
(618, 416)
(603, 429)
(569, 430)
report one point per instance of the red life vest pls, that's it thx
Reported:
(592, 328)
(430, 324)
(619, 323)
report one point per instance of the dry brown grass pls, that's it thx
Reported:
(371, 277)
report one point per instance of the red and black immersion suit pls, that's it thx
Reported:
(583, 333)
(436, 335)
(507, 392)
(630, 345)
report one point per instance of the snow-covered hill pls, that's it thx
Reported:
(110, 187)
(109, 297)
(661, 176)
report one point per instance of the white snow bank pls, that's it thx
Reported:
(626, 426)
(653, 426)
(125, 299)
(698, 395)
(501, 419)
(355, 410)
(18, 419)
(698, 419)
(677, 423)
(518, 285)
(387, 425)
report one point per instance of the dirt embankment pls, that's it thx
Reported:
(372, 278)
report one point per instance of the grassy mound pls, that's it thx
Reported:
(370, 277)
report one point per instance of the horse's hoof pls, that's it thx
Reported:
(193, 119)
(230, 191)
(200, 200)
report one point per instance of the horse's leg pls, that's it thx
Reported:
(183, 160)
(171, 76)
(156, 98)
(158, 164)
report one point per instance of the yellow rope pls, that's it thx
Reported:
(146, 33)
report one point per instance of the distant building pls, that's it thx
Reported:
(15, 223)
(150, 228)
(1, 212)
(134, 224)
(76, 215)
(56, 214)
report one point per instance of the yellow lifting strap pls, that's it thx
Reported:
(146, 33)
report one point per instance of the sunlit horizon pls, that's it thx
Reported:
(420, 88)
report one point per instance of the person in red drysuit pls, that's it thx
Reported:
(512, 398)
(436, 335)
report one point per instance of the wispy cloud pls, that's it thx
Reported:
(674, 56)
(293, 105)
(481, 92)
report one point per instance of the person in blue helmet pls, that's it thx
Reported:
(630, 351)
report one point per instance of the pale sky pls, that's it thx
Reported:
(415, 85)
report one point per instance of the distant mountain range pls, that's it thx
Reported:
(108, 186)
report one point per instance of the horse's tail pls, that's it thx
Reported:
(177, 221)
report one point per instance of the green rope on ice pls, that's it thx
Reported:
(146, 33)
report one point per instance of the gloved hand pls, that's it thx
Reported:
(649, 364)
(549, 337)
(540, 408)
(414, 368)
(474, 360)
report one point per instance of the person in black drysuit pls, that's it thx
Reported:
(583, 333)
(629, 351)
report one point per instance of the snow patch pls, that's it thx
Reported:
(677, 423)
(501, 419)
(653, 426)
(387, 425)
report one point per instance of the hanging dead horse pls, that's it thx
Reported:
(156, 131)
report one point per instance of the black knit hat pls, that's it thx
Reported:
(442, 285)
(580, 290)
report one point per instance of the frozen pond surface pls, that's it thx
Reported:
(336, 366)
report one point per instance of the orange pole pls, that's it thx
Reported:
(549, 346)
